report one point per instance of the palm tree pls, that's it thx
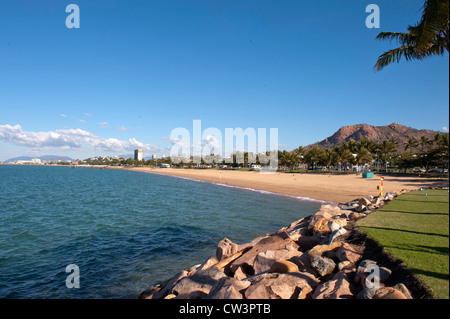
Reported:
(386, 148)
(330, 158)
(314, 156)
(424, 142)
(428, 38)
(411, 144)
(363, 156)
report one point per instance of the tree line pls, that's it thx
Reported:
(365, 154)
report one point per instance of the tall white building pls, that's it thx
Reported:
(138, 155)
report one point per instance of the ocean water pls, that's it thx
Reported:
(125, 230)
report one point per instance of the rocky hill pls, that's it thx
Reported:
(394, 131)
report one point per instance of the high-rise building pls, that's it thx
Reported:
(138, 155)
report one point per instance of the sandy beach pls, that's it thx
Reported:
(333, 188)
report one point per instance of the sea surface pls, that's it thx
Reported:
(125, 230)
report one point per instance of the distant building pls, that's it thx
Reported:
(154, 157)
(138, 155)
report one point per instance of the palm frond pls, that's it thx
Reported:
(395, 55)
(401, 37)
(434, 22)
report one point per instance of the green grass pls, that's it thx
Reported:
(415, 229)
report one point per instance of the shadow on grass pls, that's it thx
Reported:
(420, 201)
(415, 213)
(421, 248)
(430, 273)
(406, 231)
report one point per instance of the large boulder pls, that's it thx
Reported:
(167, 288)
(274, 242)
(225, 249)
(340, 287)
(297, 229)
(281, 286)
(202, 280)
(264, 260)
(283, 266)
(323, 265)
(349, 252)
(388, 293)
(320, 250)
(307, 242)
(319, 222)
(228, 288)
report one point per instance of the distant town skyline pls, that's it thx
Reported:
(135, 70)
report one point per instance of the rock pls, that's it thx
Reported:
(323, 265)
(170, 296)
(319, 222)
(378, 201)
(211, 261)
(349, 252)
(384, 273)
(401, 287)
(366, 262)
(303, 263)
(202, 280)
(264, 260)
(239, 274)
(340, 287)
(367, 293)
(191, 295)
(298, 228)
(283, 266)
(321, 226)
(148, 294)
(274, 242)
(281, 286)
(364, 202)
(228, 288)
(356, 216)
(335, 224)
(167, 288)
(307, 242)
(344, 264)
(226, 248)
(319, 250)
(334, 235)
(388, 293)
(360, 208)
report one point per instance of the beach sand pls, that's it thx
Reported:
(333, 188)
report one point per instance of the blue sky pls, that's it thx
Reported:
(137, 69)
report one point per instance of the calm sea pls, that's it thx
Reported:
(126, 231)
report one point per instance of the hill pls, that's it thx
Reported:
(394, 131)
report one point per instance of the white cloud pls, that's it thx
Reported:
(63, 115)
(445, 129)
(122, 128)
(68, 139)
(103, 124)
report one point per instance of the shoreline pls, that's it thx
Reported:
(319, 187)
(322, 256)
(261, 191)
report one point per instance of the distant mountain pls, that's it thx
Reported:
(394, 131)
(45, 158)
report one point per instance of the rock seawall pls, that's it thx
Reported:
(318, 257)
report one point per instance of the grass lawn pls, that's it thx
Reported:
(415, 229)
